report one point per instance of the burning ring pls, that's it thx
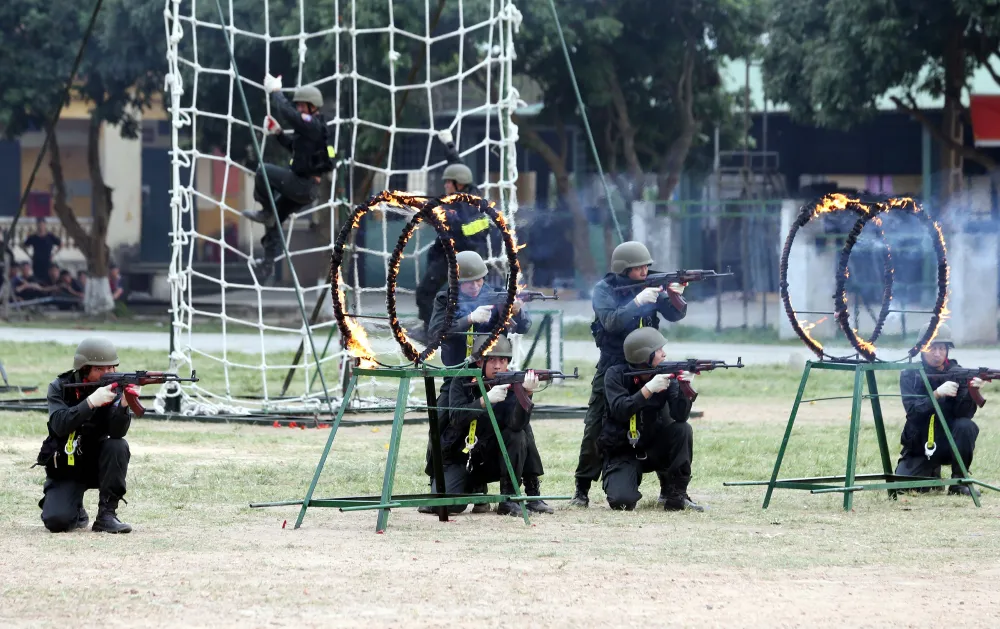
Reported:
(435, 211)
(831, 203)
(867, 349)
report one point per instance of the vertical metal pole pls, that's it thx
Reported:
(718, 265)
(390, 462)
(326, 451)
(883, 443)
(788, 433)
(852, 443)
(437, 460)
(503, 450)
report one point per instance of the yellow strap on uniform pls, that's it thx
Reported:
(71, 449)
(640, 322)
(331, 153)
(474, 227)
(930, 447)
(468, 342)
(470, 440)
(633, 431)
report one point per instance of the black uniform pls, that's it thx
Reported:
(457, 346)
(469, 229)
(958, 412)
(470, 472)
(294, 186)
(664, 445)
(615, 316)
(100, 460)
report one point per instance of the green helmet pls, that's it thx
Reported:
(459, 173)
(95, 351)
(641, 344)
(629, 254)
(501, 349)
(943, 334)
(470, 266)
(308, 94)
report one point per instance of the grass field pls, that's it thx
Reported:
(201, 557)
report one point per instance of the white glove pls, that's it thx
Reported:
(481, 314)
(271, 126)
(660, 382)
(272, 83)
(686, 376)
(103, 396)
(530, 381)
(497, 394)
(976, 383)
(948, 389)
(677, 288)
(445, 136)
(647, 296)
(516, 308)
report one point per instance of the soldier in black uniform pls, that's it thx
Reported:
(952, 395)
(86, 447)
(615, 315)
(293, 187)
(469, 229)
(478, 308)
(646, 428)
(471, 453)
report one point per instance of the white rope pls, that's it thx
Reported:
(241, 307)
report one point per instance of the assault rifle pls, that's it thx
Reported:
(140, 378)
(691, 365)
(516, 380)
(525, 296)
(983, 373)
(662, 280)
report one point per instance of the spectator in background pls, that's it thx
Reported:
(68, 285)
(117, 285)
(50, 283)
(80, 283)
(25, 285)
(43, 246)
(67, 297)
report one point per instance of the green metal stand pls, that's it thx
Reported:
(387, 501)
(864, 374)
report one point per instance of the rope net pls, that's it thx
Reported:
(393, 74)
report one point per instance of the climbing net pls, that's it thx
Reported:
(393, 73)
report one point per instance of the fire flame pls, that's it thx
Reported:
(358, 344)
(806, 325)
(836, 202)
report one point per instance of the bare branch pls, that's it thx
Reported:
(965, 151)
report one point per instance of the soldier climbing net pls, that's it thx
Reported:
(393, 74)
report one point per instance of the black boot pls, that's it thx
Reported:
(259, 216)
(82, 519)
(508, 507)
(107, 519)
(532, 487)
(963, 490)
(677, 499)
(580, 498)
(481, 507)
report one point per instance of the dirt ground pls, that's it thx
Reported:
(200, 558)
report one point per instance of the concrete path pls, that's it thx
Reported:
(574, 350)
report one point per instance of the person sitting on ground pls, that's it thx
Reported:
(116, 283)
(471, 452)
(646, 428)
(952, 395)
(25, 286)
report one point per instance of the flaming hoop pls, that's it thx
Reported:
(832, 203)
(875, 211)
(435, 211)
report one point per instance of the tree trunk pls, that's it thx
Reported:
(582, 260)
(951, 116)
(97, 260)
(59, 205)
(673, 162)
(97, 299)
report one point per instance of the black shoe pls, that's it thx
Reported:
(963, 490)
(508, 507)
(661, 500)
(482, 507)
(426, 509)
(82, 519)
(259, 216)
(533, 487)
(681, 502)
(107, 519)
(263, 268)
(580, 497)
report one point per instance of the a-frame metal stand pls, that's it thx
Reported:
(387, 501)
(864, 374)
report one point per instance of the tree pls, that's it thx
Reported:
(120, 72)
(833, 61)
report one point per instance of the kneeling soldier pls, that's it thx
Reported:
(86, 447)
(471, 453)
(646, 428)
